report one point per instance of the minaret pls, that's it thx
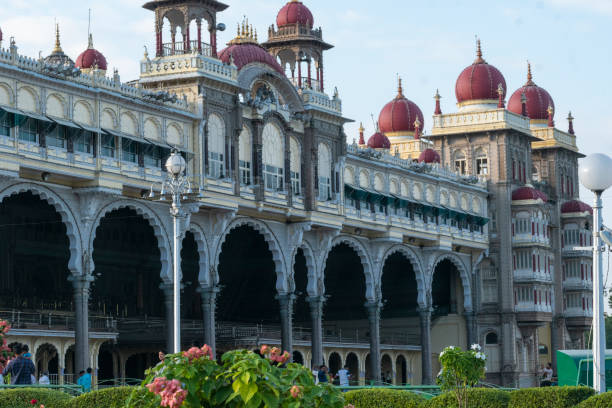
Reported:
(570, 120)
(362, 142)
(437, 97)
(500, 92)
(551, 111)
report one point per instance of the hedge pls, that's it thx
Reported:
(23, 397)
(477, 398)
(387, 398)
(598, 401)
(549, 397)
(104, 398)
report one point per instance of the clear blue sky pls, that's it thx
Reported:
(428, 43)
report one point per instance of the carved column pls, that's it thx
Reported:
(425, 317)
(168, 290)
(81, 284)
(209, 304)
(316, 315)
(199, 25)
(373, 309)
(469, 325)
(285, 302)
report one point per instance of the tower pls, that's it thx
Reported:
(295, 42)
(180, 14)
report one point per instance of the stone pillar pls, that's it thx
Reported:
(316, 315)
(167, 288)
(209, 306)
(373, 309)
(425, 317)
(471, 330)
(285, 302)
(80, 284)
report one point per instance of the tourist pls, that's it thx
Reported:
(548, 374)
(322, 374)
(315, 374)
(85, 380)
(20, 368)
(343, 376)
(44, 378)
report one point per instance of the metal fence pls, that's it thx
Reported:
(56, 320)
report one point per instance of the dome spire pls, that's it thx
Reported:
(479, 59)
(400, 90)
(529, 76)
(58, 46)
(437, 97)
(361, 137)
(570, 120)
(500, 93)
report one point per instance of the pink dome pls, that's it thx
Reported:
(248, 53)
(479, 81)
(400, 114)
(538, 100)
(91, 58)
(379, 141)
(528, 193)
(294, 12)
(576, 206)
(429, 156)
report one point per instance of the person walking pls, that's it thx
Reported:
(344, 376)
(20, 369)
(85, 380)
(44, 379)
(322, 374)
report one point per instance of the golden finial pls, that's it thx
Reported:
(550, 110)
(238, 30)
(252, 32)
(361, 128)
(256, 40)
(58, 46)
(417, 123)
(243, 31)
(437, 96)
(529, 76)
(400, 90)
(479, 59)
(500, 89)
(570, 117)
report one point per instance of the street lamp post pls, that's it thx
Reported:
(596, 175)
(175, 187)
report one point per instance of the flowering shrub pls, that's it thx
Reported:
(5, 351)
(461, 370)
(243, 379)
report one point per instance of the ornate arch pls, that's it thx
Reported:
(163, 242)
(65, 212)
(463, 273)
(361, 251)
(415, 261)
(312, 286)
(282, 281)
(204, 276)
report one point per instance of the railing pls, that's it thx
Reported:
(68, 388)
(57, 320)
(178, 47)
(313, 84)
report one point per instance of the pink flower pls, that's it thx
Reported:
(193, 353)
(207, 350)
(295, 391)
(157, 385)
(264, 350)
(33, 401)
(170, 391)
(284, 358)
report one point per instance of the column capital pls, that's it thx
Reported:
(425, 311)
(285, 299)
(80, 282)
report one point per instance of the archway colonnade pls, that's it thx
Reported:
(321, 253)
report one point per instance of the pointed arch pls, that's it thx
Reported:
(163, 241)
(63, 208)
(282, 281)
(312, 287)
(415, 261)
(204, 277)
(463, 273)
(362, 253)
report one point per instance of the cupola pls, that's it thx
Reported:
(91, 60)
(244, 50)
(537, 101)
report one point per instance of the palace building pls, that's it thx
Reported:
(375, 255)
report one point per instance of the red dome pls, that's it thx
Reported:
(294, 12)
(429, 156)
(479, 81)
(400, 114)
(91, 58)
(528, 193)
(248, 53)
(538, 100)
(379, 141)
(576, 206)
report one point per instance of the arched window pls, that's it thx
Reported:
(324, 158)
(245, 156)
(273, 157)
(216, 146)
(491, 338)
(482, 162)
(460, 162)
(295, 152)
